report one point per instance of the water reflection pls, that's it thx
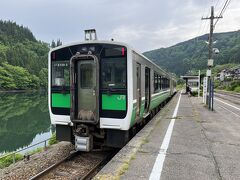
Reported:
(23, 117)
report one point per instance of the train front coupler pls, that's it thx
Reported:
(83, 139)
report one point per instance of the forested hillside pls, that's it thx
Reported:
(23, 59)
(193, 54)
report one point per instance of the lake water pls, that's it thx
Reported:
(24, 120)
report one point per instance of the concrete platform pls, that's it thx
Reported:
(202, 145)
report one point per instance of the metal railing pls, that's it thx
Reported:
(13, 154)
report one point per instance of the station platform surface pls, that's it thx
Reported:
(185, 141)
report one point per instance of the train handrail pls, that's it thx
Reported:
(15, 152)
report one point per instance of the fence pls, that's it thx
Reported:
(13, 154)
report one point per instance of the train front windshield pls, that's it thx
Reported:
(113, 73)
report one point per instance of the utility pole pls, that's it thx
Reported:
(210, 55)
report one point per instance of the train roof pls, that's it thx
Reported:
(115, 43)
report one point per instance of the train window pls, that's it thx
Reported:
(86, 76)
(155, 82)
(167, 83)
(60, 73)
(159, 82)
(113, 73)
(164, 85)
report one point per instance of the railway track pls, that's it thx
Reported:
(232, 94)
(232, 97)
(77, 165)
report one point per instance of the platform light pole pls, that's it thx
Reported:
(210, 59)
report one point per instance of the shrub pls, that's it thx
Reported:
(194, 93)
(53, 139)
(237, 89)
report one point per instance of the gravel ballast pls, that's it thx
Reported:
(26, 169)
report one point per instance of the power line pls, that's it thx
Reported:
(211, 18)
(226, 4)
(202, 28)
(221, 12)
(216, 4)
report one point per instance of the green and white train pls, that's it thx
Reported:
(99, 91)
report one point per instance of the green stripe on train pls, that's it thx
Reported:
(133, 117)
(114, 102)
(158, 100)
(60, 100)
(155, 101)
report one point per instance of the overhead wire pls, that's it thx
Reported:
(202, 31)
(216, 4)
(226, 4)
(202, 28)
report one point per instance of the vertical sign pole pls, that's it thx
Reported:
(212, 94)
(209, 94)
(199, 83)
(210, 49)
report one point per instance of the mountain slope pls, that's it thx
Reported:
(19, 48)
(193, 54)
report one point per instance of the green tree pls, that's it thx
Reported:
(193, 54)
(53, 44)
(43, 76)
(19, 48)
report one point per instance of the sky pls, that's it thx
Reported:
(144, 24)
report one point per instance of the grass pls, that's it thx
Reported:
(144, 141)
(233, 86)
(237, 89)
(35, 151)
(179, 86)
(125, 166)
(7, 161)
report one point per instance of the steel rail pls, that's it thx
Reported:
(87, 175)
(53, 166)
(232, 94)
(90, 173)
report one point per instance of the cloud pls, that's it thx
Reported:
(143, 24)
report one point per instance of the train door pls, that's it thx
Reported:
(138, 89)
(85, 95)
(86, 81)
(147, 89)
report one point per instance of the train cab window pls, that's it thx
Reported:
(113, 67)
(113, 73)
(60, 73)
